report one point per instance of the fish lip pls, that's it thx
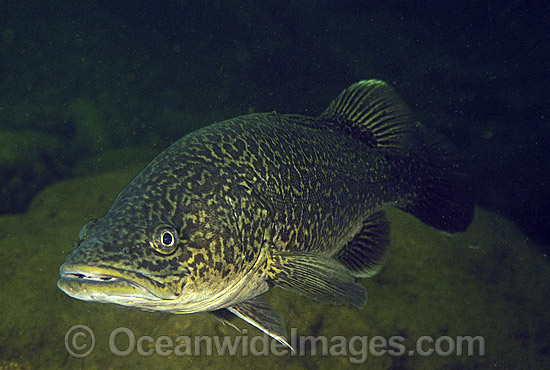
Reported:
(106, 275)
(92, 277)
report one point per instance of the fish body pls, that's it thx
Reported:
(267, 200)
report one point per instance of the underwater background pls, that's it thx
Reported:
(91, 91)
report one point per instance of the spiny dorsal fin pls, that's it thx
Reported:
(373, 112)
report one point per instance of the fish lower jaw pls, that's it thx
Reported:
(107, 285)
(103, 289)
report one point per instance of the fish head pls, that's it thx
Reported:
(172, 241)
(181, 264)
(141, 266)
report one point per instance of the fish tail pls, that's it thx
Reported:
(441, 195)
(435, 186)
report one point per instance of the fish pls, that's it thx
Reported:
(270, 200)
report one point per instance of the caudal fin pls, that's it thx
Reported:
(442, 196)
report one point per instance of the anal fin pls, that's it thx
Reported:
(364, 254)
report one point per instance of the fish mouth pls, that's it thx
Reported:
(111, 285)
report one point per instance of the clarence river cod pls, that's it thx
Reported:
(265, 200)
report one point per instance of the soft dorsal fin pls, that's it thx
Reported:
(373, 112)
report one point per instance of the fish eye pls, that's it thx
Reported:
(165, 240)
(85, 229)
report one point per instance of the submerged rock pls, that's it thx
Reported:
(29, 160)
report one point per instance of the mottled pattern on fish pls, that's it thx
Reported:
(269, 198)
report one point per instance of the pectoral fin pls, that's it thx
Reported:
(319, 277)
(258, 312)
